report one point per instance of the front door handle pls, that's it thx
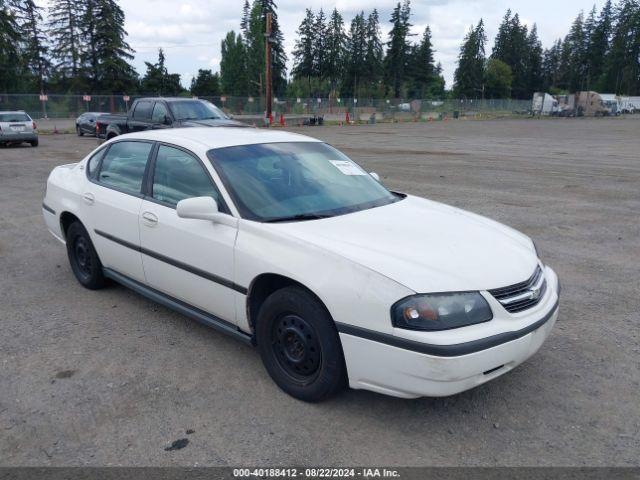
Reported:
(88, 198)
(149, 219)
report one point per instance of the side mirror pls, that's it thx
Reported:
(203, 208)
(375, 176)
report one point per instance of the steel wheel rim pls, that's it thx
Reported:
(82, 256)
(296, 347)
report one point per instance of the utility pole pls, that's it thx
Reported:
(268, 79)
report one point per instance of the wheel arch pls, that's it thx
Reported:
(66, 219)
(264, 285)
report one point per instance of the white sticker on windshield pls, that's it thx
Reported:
(347, 167)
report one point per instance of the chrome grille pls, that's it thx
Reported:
(523, 295)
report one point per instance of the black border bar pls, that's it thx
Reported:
(182, 266)
(454, 350)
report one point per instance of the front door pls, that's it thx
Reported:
(190, 260)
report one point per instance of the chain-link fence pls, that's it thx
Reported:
(70, 106)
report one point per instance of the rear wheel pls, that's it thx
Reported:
(299, 345)
(34, 143)
(83, 257)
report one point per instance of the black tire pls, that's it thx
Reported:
(34, 143)
(299, 345)
(79, 131)
(83, 257)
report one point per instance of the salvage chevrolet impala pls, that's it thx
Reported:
(287, 244)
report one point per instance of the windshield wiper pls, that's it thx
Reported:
(298, 218)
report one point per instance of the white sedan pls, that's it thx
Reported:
(282, 241)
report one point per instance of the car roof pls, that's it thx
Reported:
(207, 138)
(13, 111)
(172, 99)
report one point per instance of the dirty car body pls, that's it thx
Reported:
(398, 294)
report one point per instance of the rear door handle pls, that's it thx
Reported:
(149, 219)
(88, 198)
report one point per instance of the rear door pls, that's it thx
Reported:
(141, 116)
(191, 260)
(111, 201)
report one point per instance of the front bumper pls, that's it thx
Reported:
(411, 370)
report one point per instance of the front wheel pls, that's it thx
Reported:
(79, 131)
(299, 345)
(83, 257)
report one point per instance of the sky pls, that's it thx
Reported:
(190, 31)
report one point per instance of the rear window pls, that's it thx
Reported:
(14, 117)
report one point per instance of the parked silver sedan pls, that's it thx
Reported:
(17, 128)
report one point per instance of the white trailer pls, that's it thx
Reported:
(610, 100)
(544, 104)
(629, 104)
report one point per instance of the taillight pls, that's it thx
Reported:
(35, 127)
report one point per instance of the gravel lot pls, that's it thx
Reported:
(109, 378)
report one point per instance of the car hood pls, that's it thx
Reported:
(222, 122)
(425, 246)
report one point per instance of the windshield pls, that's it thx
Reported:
(14, 117)
(196, 110)
(296, 181)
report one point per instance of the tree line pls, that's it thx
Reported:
(82, 47)
(329, 60)
(601, 52)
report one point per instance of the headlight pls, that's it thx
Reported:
(440, 311)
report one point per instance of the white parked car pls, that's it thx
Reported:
(284, 242)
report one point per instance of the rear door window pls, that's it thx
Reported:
(123, 166)
(143, 111)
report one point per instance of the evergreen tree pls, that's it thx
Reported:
(34, 53)
(9, 39)
(398, 48)
(158, 81)
(336, 42)
(374, 56)
(469, 76)
(356, 56)
(304, 52)
(551, 67)
(64, 30)
(205, 84)
(256, 47)
(574, 56)
(233, 66)
(512, 47)
(108, 53)
(423, 70)
(89, 60)
(599, 45)
(320, 45)
(246, 16)
(623, 62)
(533, 65)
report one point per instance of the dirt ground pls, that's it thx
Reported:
(109, 378)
